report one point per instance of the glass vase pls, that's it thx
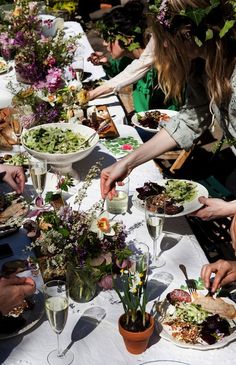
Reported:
(82, 282)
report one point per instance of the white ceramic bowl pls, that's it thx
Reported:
(63, 161)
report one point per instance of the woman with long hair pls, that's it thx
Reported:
(196, 46)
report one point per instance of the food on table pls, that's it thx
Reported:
(3, 66)
(7, 136)
(19, 159)
(19, 309)
(92, 84)
(196, 319)
(181, 190)
(121, 146)
(54, 140)
(152, 119)
(216, 306)
(161, 202)
(12, 208)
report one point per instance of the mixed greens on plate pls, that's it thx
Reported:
(54, 140)
(181, 190)
(121, 146)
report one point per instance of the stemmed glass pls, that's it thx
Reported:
(38, 173)
(57, 305)
(78, 66)
(17, 126)
(139, 260)
(155, 222)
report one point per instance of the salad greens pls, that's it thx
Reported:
(180, 190)
(192, 313)
(54, 140)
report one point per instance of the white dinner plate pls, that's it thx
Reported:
(166, 334)
(135, 120)
(189, 207)
(31, 317)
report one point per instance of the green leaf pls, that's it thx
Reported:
(209, 34)
(64, 232)
(198, 41)
(48, 197)
(228, 25)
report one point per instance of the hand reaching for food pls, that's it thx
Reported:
(97, 58)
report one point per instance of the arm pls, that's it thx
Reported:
(13, 291)
(225, 273)
(14, 176)
(215, 208)
(157, 145)
(133, 72)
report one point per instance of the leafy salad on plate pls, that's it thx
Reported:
(197, 321)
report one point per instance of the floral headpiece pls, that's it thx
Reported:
(197, 16)
(110, 34)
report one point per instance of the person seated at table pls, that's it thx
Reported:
(225, 273)
(14, 290)
(123, 30)
(14, 176)
(193, 53)
(214, 208)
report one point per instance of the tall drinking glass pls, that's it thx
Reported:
(56, 305)
(78, 66)
(155, 216)
(38, 173)
(17, 126)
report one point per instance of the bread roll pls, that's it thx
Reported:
(9, 135)
(4, 145)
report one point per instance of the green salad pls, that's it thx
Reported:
(180, 190)
(54, 140)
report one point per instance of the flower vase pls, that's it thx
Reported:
(136, 342)
(82, 282)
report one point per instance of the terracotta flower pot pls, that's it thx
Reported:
(136, 342)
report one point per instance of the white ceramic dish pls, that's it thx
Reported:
(189, 207)
(166, 334)
(63, 161)
(135, 120)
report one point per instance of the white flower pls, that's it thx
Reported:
(102, 226)
(74, 85)
(135, 282)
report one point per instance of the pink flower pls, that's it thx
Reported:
(50, 61)
(123, 264)
(127, 147)
(106, 282)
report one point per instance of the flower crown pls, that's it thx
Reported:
(111, 34)
(197, 16)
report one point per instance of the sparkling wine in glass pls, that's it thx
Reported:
(17, 126)
(38, 173)
(154, 222)
(78, 66)
(56, 306)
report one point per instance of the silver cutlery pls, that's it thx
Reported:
(191, 284)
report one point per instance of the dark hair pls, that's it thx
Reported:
(128, 20)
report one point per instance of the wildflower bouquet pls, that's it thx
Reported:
(79, 239)
(49, 101)
(35, 55)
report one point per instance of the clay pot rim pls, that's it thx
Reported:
(137, 334)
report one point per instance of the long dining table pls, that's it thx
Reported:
(91, 331)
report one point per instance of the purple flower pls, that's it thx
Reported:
(106, 282)
(54, 79)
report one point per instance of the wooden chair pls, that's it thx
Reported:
(173, 160)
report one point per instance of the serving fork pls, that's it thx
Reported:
(191, 284)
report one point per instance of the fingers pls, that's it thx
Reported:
(203, 200)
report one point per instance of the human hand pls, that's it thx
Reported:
(112, 174)
(14, 177)
(97, 58)
(214, 208)
(225, 273)
(13, 291)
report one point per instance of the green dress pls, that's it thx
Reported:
(146, 94)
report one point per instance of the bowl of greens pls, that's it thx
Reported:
(61, 144)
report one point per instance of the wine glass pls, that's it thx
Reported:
(56, 305)
(154, 215)
(17, 126)
(78, 66)
(38, 173)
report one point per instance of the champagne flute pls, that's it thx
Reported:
(155, 222)
(57, 305)
(78, 66)
(17, 126)
(38, 173)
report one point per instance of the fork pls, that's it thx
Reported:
(191, 284)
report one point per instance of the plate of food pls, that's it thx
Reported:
(175, 197)
(197, 321)
(13, 209)
(17, 159)
(23, 317)
(121, 146)
(3, 66)
(149, 120)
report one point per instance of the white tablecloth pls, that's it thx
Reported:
(93, 336)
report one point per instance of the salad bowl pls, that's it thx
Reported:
(60, 156)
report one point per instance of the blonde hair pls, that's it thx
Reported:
(174, 64)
